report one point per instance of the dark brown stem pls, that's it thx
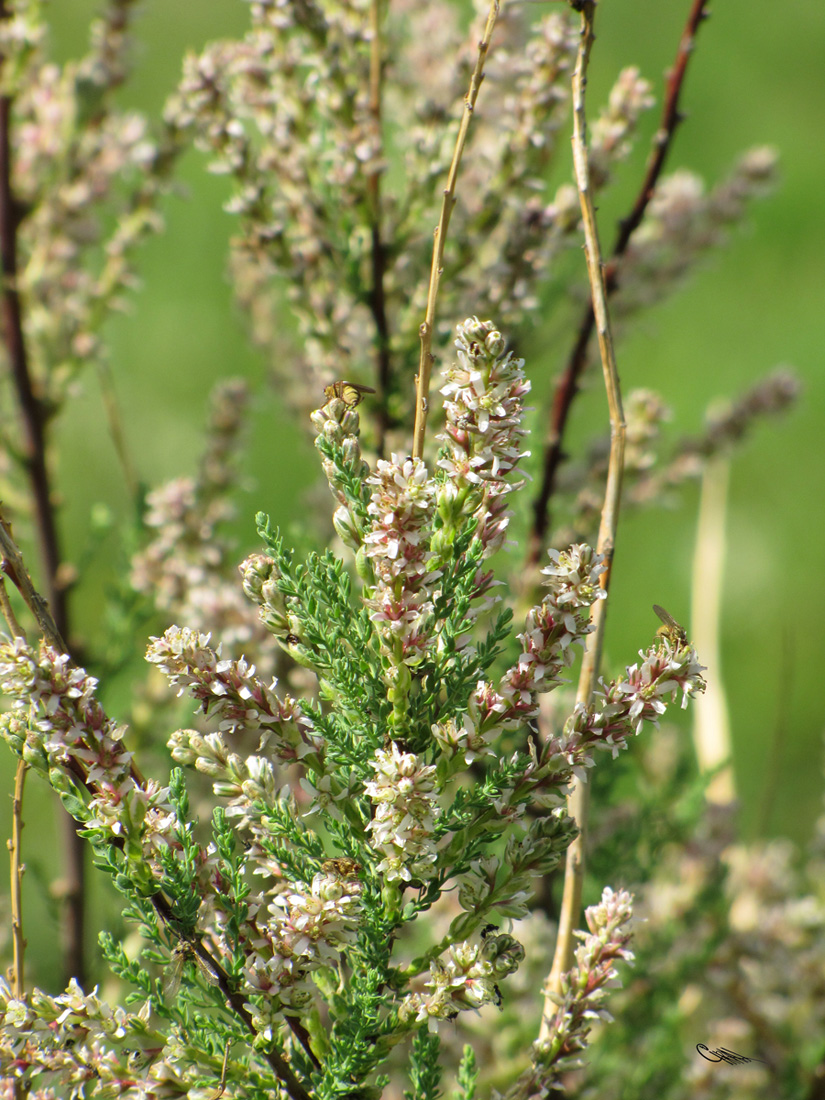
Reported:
(281, 1068)
(568, 385)
(382, 335)
(302, 1035)
(33, 439)
(377, 298)
(32, 419)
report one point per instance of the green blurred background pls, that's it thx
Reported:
(757, 78)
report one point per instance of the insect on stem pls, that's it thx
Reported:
(184, 953)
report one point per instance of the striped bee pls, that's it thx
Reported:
(349, 392)
(342, 866)
(672, 631)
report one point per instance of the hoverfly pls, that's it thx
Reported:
(349, 392)
(184, 953)
(672, 631)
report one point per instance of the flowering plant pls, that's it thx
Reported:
(354, 814)
(389, 786)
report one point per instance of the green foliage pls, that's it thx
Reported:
(331, 636)
(425, 1071)
(179, 863)
(416, 774)
(467, 1076)
(356, 1045)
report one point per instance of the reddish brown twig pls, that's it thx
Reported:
(33, 432)
(568, 385)
(32, 414)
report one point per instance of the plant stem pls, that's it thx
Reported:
(568, 384)
(17, 880)
(14, 567)
(711, 721)
(426, 328)
(15, 629)
(33, 433)
(15, 843)
(17, 868)
(578, 800)
(282, 1069)
(32, 418)
(377, 298)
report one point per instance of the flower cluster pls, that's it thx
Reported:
(726, 426)
(65, 724)
(80, 1041)
(615, 713)
(337, 427)
(512, 144)
(465, 740)
(260, 583)
(483, 403)
(583, 990)
(611, 135)
(245, 782)
(503, 886)
(401, 509)
(651, 476)
(230, 692)
(685, 220)
(58, 727)
(65, 728)
(417, 780)
(551, 630)
(464, 979)
(306, 929)
(645, 412)
(641, 695)
(88, 180)
(240, 102)
(405, 814)
(731, 936)
(377, 765)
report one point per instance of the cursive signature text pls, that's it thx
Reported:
(724, 1055)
